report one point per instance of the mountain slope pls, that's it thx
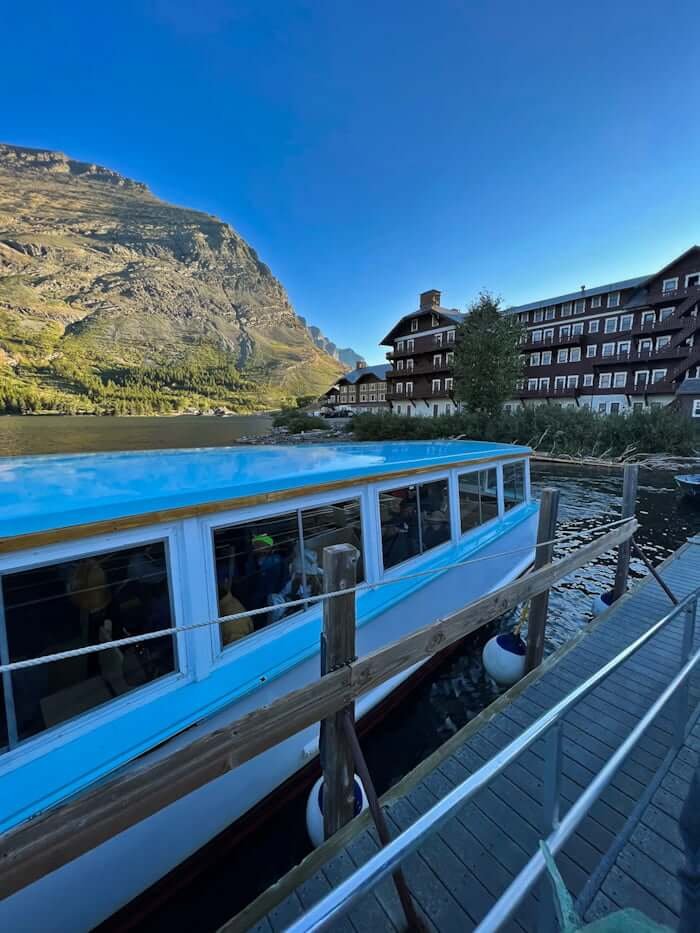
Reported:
(112, 300)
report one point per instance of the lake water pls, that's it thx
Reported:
(444, 702)
(54, 434)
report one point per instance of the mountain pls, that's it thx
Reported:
(113, 300)
(345, 355)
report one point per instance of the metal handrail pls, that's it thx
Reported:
(367, 876)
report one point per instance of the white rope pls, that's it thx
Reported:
(294, 603)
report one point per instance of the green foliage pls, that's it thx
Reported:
(303, 401)
(570, 431)
(296, 421)
(487, 356)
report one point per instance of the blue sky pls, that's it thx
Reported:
(372, 150)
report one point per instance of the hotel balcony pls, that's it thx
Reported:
(642, 356)
(655, 298)
(556, 341)
(559, 392)
(672, 322)
(662, 387)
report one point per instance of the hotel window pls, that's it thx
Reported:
(696, 408)
(414, 325)
(409, 388)
(434, 320)
(72, 604)
(604, 380)
(409, 365)
(549, 314)
(626, 321)
(449, 381)
(478, 498)
(414, 519)
(692, 281)
(658, 375)
(513, 484)
(564, 332)
(523, 316)
(577, 329)
(399, 364)
(399, 346)
(410, 345)
(608, 349)
(437, 359)
(537, 336)
(637, 406)
(670, 285)
(548, 333)
(602, 408)
(610, 325)
(437, 340)
(575, 355)
(544, 383)
(614, 299)
(666, 313)
(648, 318)
(531, 384)
(450, 358)
(436, 385)
(562, 356)
(662, 342)
(624, 346)
(546, 357)
(399, 388)
(614, 408)
(538, 316)
(398, 409)
(451, 335)
(620, 380)
(269, 561)
(593, 327)
(641, 377)
(535, 359)
(560, 382)
(588, 380)
(591, 350)
(596, 301)
(572, 382)
(579, 306)
(566, 309)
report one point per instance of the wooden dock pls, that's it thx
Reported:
(627, 850)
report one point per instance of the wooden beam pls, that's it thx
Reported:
(629, 499)
(338, 650)
(40, 846)
(537, 621)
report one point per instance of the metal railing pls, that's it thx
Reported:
(557, 832)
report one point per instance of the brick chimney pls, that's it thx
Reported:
(429, 300)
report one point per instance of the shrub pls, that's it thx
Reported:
(296, 421)
(571, 431)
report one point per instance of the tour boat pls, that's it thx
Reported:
(100, 547)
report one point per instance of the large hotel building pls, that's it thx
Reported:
(629, 345)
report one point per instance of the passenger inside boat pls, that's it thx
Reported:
(267, 563)
(59, 607)
(414, 519)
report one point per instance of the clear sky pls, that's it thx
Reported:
(373, 150)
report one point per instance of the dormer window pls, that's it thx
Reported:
(670, 285)
(538, 316)
(596, 301)
(434, 320)
(414, 325)
(613, 299)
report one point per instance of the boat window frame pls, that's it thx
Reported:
(220, 654)
(511, 461)
(420, 479)
(479, 468)
(170, 535)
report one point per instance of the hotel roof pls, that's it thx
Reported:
(581, 293)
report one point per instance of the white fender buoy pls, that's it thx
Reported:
(314, 809)
(601, 602)
(504, 658)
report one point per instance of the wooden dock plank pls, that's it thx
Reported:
(456, 875)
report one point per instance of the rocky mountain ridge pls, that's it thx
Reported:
(113, 300)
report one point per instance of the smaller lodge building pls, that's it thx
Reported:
(362, 390)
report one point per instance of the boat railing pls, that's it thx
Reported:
(39, 846)
(555, 831)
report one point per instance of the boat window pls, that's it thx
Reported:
(513, 484)
(3, 719)
(413, 519)
(76, 603)
(478, 498)
(270, 561)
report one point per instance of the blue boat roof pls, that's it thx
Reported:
(51, 492)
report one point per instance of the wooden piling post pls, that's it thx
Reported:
(337, 649)
(537, 621)
(629, 500)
